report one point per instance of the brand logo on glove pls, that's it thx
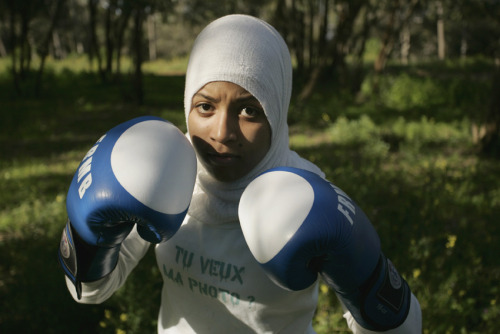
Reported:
(345, 204)
(84, 170)
(394, 276)
(64, 246)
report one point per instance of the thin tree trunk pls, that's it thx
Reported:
(119, 37)
(323, 30)
(335, 50)
(13, 47)
(463, 45)
(94, 45)
(387, 40)
(58, 49)
(310, 35)
(405, 44)
(357, 74)
(108, 43)
(24, 46)
(138, 57)
(44, 48)
(152, 36)
(3, 52)
(440, 32)
(490, 142)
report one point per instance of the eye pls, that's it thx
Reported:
(204, 108)
(251, 112)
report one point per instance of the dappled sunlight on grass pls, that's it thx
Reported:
(411, 165)
(434, 203)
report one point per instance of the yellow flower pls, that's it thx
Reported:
(107, 314)
(120, 331)
(102, 324)
(452, 239)
(416, 273)
(441, 164)
(123, 317)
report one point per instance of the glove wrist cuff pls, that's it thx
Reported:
(83, 262)
(385, 298)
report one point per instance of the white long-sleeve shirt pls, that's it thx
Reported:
(212, 284)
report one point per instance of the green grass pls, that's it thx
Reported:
(405, 155)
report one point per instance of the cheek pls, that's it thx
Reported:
(194, 125)
(259, 138)
(191, 123)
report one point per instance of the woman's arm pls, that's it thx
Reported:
(412, 323)
(132, 251)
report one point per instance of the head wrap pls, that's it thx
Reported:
(248, 52)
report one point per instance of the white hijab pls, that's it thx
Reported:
(250, 53)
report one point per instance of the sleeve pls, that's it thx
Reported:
(412, 324)
(132, 251)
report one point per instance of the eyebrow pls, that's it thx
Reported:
(206, 97)
(244, 98)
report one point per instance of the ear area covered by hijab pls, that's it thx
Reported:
(248, 52)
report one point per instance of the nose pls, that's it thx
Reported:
(225, 127)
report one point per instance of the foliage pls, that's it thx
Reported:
(409, 162)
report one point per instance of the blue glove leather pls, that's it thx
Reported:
(141, 172)
(299, 226)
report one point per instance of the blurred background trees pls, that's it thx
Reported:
(398, 101)
(327, 38)
(321, 33)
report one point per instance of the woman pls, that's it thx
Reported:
(237, 94)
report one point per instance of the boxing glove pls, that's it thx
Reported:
(142, 173)
(298, 226)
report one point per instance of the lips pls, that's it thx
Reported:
(222, 159)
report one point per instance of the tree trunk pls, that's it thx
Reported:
(13, 47)
(405, 44)
(3, 52)
(357, 73)
(297, 22)
(387, 40)
(119, 36)
(59, 52)
(490, 142)
(463, 46)
(138, 57)
(440, 31)
(310, 35)
(335, 50)
(152, 36)
(44, 48)
(322, 38)
(108, 42)
(24, 45)
(94, 45)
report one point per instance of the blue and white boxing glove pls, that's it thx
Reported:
(298, 225)
(141, 172)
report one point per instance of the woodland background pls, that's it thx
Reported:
(397, 101)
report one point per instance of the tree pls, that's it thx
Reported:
(397, 14)
(137, 37)
(440, 31)
(320, 33)
(94, 43)
(20, 15)
(43, 50)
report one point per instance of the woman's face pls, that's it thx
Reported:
(228, 129)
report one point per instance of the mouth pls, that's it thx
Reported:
(222, 159)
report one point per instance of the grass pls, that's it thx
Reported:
(410, 163)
